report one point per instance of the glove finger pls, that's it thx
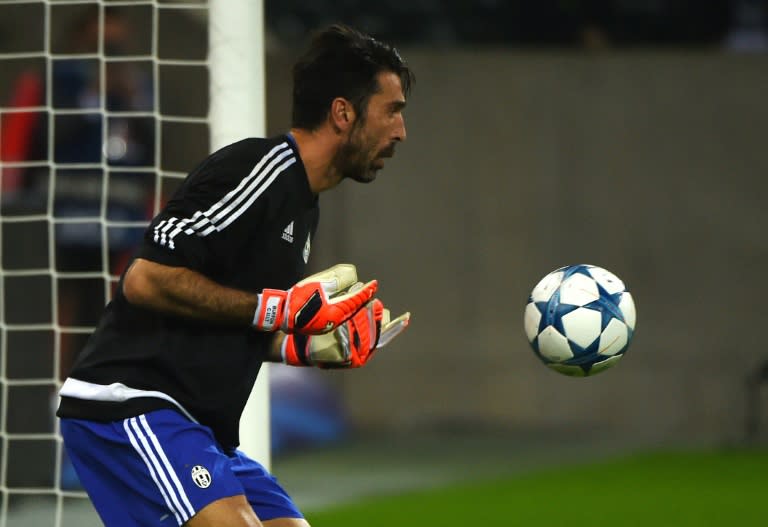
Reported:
(354, 288)
(392, 329)
(335, 279)
(348, 304)
(345, 276)
(326, 348)
(375, 315)
(341, 356)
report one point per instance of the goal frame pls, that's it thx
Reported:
(238, 110)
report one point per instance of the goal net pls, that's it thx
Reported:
(104, 107)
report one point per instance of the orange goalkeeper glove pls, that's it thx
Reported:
(308, 308)
(351, 345)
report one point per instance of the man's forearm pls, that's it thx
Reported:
(183, 292)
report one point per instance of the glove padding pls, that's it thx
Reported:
(351, 345)
(318, 304)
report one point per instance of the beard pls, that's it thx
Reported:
(358, 160)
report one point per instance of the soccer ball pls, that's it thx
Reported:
(580, 320)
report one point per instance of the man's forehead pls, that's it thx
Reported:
(390, 87)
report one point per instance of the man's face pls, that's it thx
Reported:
(374, 135)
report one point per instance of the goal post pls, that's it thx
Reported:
(237, 110)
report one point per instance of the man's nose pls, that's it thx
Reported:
(400, 133)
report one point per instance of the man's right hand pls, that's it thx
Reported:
(314, 306)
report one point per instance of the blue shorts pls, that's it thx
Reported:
(160, 469)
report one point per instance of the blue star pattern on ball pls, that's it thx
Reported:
(580, 319)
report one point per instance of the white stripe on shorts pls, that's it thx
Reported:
(168, 467)
(152, 473)
(173, 493)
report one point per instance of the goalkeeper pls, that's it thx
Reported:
(150, 411)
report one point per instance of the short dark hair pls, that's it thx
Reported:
(341, 62)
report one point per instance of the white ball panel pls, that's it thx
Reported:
(547, 286)
(627, 307)
(614, 338)
(604, 365)
(578, 290)
(554, 346)
(565, 369)
(532, 320)
(582, 326)
(609, 281)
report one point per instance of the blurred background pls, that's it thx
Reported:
(621, 133)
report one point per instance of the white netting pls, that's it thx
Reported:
(103, 108)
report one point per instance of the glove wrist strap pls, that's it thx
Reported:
(270, 309)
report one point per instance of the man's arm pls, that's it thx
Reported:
(183, 292)
(304, 308)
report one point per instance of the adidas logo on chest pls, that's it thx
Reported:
(288, 233)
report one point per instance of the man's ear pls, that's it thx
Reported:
(342, 114)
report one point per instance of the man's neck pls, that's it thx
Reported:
(317, 149)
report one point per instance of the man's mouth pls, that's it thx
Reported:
(387, 152)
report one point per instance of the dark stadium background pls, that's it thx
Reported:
(625, 134)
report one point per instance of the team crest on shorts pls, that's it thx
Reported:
(201, 476)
